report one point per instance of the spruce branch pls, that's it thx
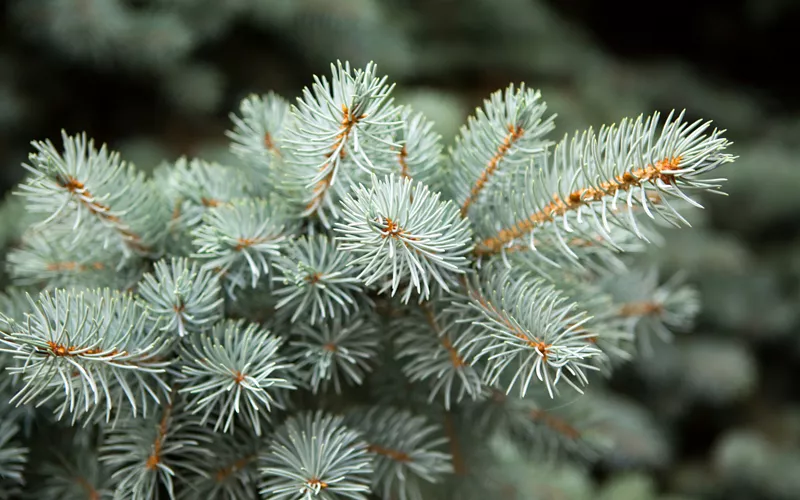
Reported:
(232, 374)
(525, 326)
(14, 304)
(258, 134)
(545, 428)
(497, 141)
(399, 230)
(314, 456)
(241, 239)
(406, 450)
(420, 155)
(335, 221)
(145, 455)
(88, 350)
(194, 186)
(230, 473)
(55, 260)
(426, 348)
(78, 475)
(334, 350)
(181, 296)
(596, 180)
(315, 279)
(649, 309)
(340, 127)
(84, 183)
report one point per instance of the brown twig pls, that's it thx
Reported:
(321, 188)
(575, 200)
(514, 134)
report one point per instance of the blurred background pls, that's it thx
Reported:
(714, 415)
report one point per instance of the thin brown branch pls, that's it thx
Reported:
(576, 199)
(643, 308)
(269, 143)
(514, 134)
(459, 467)
(91, 492)
(155, 458)
(315, 481)
(61, 350)
(101, 211)
(402, 157)
(396, 455)
(243, 243)
(536, 343)
(225, 472)
(557, 424)
(455, 357)
(75, 266)
(321, 188)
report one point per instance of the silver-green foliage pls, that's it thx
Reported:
(361, 264)
(182, 297)
(86, 352)
(315, 456)
(233, 372)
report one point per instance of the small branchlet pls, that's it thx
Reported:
(315, 455)
(182, 297)
(232, 374)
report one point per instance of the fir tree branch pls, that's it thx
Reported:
(406, 449)
(87, 349)
(182, 297)
(258, 134)
(231, 474)
(428, 354)
(13, 458)
(547, 342)
(400, 230)
(145, 455)
(316, 456)
(241, 239)
(316, 276)
(578, 189)
(506, 132)
(84, 183)
(333, 350)
(420, 154)
(349, 118)
(233, 374)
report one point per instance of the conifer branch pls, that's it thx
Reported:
(315, 274)
(85, 183)
(258, 134)
(400, 230)
(548, 342)
(241, 239)
(89, 350)
(428, 354)
(505, 133)
(182, 297)
(146, 455)
(406, 449)
(580, 186)
(514, 250)
(420, 155)
(340, 128)
(334, 350)
(13, 457)
(233, 374)
(315, 455)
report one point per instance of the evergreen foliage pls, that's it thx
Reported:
(350, 313)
